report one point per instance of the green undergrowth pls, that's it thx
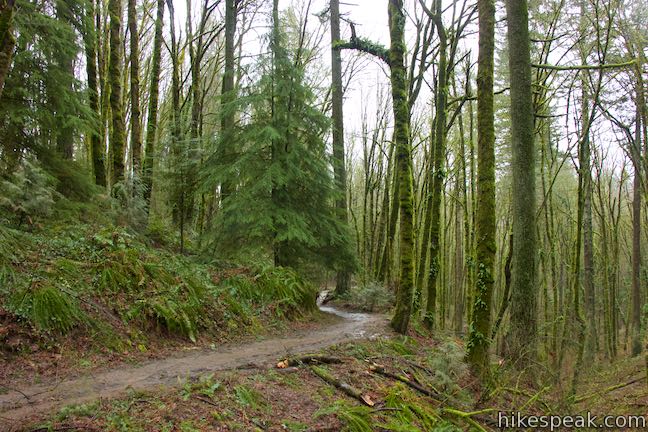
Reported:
(108, 283)
(367, 296)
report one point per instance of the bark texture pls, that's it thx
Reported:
(343, 278)
(399, 88)
(479, 340)
(154, 91)
(115, 67)
(522, 336)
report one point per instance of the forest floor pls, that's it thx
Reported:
(26, 402)
(412, 383)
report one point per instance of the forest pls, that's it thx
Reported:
(315, 215)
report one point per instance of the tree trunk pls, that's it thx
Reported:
(151, 127)
(636, 238)
(438, 178)
(227, 93)
(97, 149)
(115, 65)
(523, 330)
(343, 277)
(399, 88)
(136, 123)
(479, 338)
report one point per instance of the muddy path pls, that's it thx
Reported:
(22, 403)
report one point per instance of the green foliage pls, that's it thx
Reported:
(129, 202)
(41, 98)
(47, 308)
(206, 386)
(282, 288)
(447, 362)
(355, 418)
(28, 193)
(369, 297)
(284, 201)
(409, 412)
(248, 397)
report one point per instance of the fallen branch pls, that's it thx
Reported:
(381, 371)
(471, 416)
(532, 397)
(313, 359)
(344, 387)
(607, 390)
(207, 401)
(63, 428)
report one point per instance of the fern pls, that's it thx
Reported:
(355, 418)
(48, 309)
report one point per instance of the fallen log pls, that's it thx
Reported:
(344, 387)
(313, 359)
(381, 371)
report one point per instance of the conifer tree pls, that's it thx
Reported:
(284, 199)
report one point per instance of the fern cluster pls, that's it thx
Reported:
(48, 308)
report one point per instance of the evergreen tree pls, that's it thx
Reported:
(40, 93)
(285, 194)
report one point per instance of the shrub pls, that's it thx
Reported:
(29, 193)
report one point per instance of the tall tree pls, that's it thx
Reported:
(522, 336)
(228, 94)
(154, 93)
(135, 122)
(479, 337)
(97, 150)
(343, 278)
(438, 167)
(399, 88)
(115, 66)
(636, 228)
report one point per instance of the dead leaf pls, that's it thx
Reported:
(282, 364)
(367, 399)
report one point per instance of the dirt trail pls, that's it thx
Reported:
(16, 406)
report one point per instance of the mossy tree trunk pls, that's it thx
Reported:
(135, 121)
(399, 88)
(523, 329)
(97, 150)
(179, 186)
(343, 277)
(636, 237)
(479, 337)
(117, 140)
(585, 171)
(152, 118)
(438, 176)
